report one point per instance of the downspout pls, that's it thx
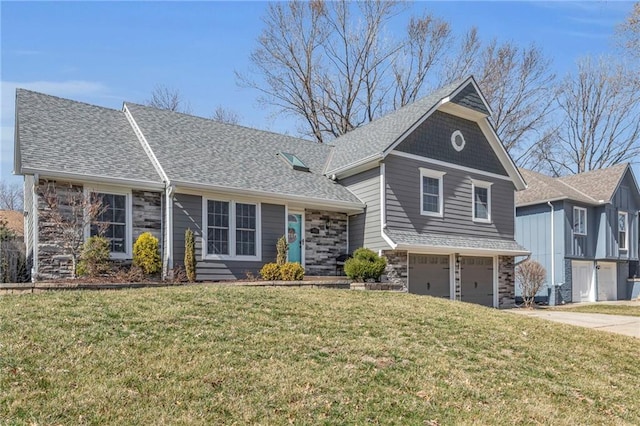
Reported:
(552, 295)
(167, 263)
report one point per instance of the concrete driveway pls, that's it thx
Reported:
(629, 326)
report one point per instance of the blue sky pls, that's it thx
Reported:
(107, 52)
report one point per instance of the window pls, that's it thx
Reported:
(232, 230)
(481, 203)
(431, 192)
(294, 161)
(114, 223)
(579, 221)
(623, 224)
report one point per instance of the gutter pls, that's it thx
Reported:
(93, 179)
(553, 269)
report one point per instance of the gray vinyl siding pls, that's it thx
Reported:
(580, 246)
(187, 213)
(533, 231)
(469, 97)
(365, 228)
(432, 139)
(403, 201)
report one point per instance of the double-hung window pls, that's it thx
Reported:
(114, 220)
(232, 230)
(623, 233)
(579, 221)
(431, 184)
(481, 201)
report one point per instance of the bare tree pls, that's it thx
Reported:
(11, 196)
(516, 81)
(335, 66)
(601, 109)
(224, 115)
(629, 32)
(530, 276)
(70, 211)
(163, 97)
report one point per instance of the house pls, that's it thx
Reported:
(584, 230)
(429, 186)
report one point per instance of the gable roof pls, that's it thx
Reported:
(61, 136)
(376, 139)
(592, 188)
(202, 153)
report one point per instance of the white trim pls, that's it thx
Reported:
(168, 229)
(461, 111)
(110, 190)
(303, 245)
(626, 230)
(452, 276)
(232, 231)
(453, 141)
(145, 144)
(433, 174)
(480, 184)
(373, 158)
(98, 180)
(503, 156)
(449, 165)
(579, 209)
(193, 188)
(465, 251)
(383, 197)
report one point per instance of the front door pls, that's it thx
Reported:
(294, 237)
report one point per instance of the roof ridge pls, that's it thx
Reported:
(227, 124)
(20, 89)
(576, 189)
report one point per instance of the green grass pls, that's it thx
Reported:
(601, 308)
(225, 355)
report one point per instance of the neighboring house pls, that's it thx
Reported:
(429, 186)
(589, 222)
(14, 221)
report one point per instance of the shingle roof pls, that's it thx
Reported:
(61, 135)
(197, 150)
(455, 242)
(375, 137)
(543, 188)
(591, 187)
(598, 184)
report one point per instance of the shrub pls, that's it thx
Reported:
(94, 258)
(282, 247)
(146, 253)
(365, 265)
(530, 276)
(292, 271)
(190, 255)
(270, 272)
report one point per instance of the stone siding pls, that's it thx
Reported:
(397, 267)
(147, 214)
(506, 282)
(565, 294)
(325, 236)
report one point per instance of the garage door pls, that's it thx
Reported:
(429, 275)
(582, 281)
(476, 279)
(607, 281)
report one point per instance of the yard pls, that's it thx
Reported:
(603, 308)
(214, 355)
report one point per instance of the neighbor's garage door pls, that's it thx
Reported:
(429, 275)
(582, 281)
(607, 281)
(476, 278)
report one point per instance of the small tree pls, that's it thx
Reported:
(146, 253)
(282, 247)
(190, 255)
(94, 259)
(530, 276)
(71, 211)
(365, 265)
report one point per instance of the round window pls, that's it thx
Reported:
(457, 140)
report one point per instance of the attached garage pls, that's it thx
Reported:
(607, 281)
(582, 288)
(429, 275)
(476, 280)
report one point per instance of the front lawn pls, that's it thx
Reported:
(222, 355)
(602, 308)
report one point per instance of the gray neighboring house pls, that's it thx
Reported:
(584, 230)
(429, 186)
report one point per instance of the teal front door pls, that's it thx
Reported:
(294, 237)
